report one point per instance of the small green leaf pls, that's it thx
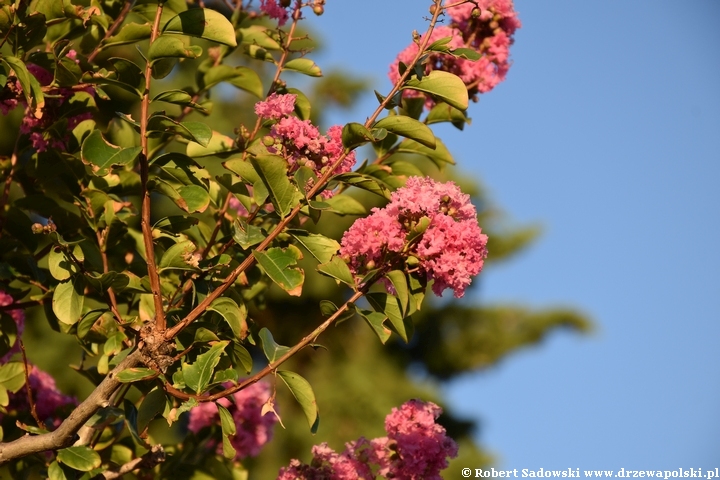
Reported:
(228, 428)
(442, 112)
(178, 97)
(203, 23)
(303, 65)
(303, 393)
(234, 315)
(12, 376)
(152, 405)
(272, 350)
(168, 46)
(366, 182)
(55, 472)
(198, 375)
(376, 321)
(446, 86)
(219, 144)
(328, 308)
(175, 224)
(178, 257)
(399, 282)
(258, 35)
(240, 357)
(344, 204)
(278, 265)
(195, 131)
(302, 104)
(80, 458)
(440, 156)
(273, 170)
(355, 134)
(102, 156)
(409, 128)
(338, 270)
(129, 33)
(61, 266)
(68, 300)
(389, 305)
(30, 86)
(319, 246)
(130, 375)
(241, 77)
(246, 235)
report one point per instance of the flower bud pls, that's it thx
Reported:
(370, 265)
(318, 10)
(433, 7)
(268, 141)
(37, 228)
(476, 12)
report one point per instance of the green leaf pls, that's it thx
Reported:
(129, 33)
(366, 182)
(30, 86)
(12, 376)
(319, 246)
(168, 46)
(68, 300)
(338, 270)
(195, 131)
(218, 144)
(246, 235)
(55, 472)
(197, 376)
(376, 321)
(467, 53)
(273, 170)
(240, 357)
(175, 224)
(345, 205)
(303, 393)
(302, 104)
(389, 305)
(399, 282)
(191, 198)
(152, 405)
(409, 128)
(442, 112)
(178, 97)
(228, 428)
(102, 156)
(234, 315)
(303, 65)
(445, 86)
(61, 266)
(439, 156)
(272, 350)
(328, 308)
(355, 134)
(130, 375)
(203, 23)
(178, 257)
(258, 35)
(278, 265)
(80, 458)
(243, 78)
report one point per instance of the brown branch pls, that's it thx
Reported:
(111, 293)
(120, 18)
(63, 436)
(160, 322)
(272, 366)
(155, 456)
(31, 402)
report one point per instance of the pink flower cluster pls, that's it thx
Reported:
(274, 10)
(450, 251)
(253, 429)
(37, 128)
(416, 448)
(490, 34)
(300, 142)
(46, 397)
(19, 317)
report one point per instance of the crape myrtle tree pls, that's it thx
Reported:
(179, 235)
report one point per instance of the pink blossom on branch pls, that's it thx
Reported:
(47, 398)
(253, 429)
(450, 251)
(274, 10)
(18, 317)
(276, 106)
(415, 448)
(490, 34)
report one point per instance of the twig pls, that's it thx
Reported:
(33, 410)
(160, 322)
(120, 18)
(155, 456)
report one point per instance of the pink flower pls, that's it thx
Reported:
(274, 10)
(276, 106)
(416, 448)
(450, 251)
(46, 397)
(253, 429)
(490, 34)
(19, 317)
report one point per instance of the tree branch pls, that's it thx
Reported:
(63, 436)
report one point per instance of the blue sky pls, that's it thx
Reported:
(607, 132)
